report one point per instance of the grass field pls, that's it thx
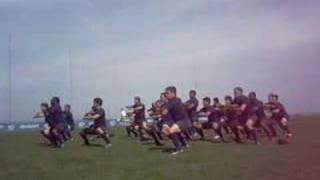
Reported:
(24, 156)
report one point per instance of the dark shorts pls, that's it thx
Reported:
(138, 122)
(92, 130)
(61, 127)
(233, 122)
(183, 124)
(243, 119)
(279, 117)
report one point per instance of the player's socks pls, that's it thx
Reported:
(247, 132)
(159, 135)
(237, 134)
(183, 140)
(154, 136)
(85, 139)
(128, 128)
(253, 133)
(68, 134)
(104, 136)
(286, 130)
(187, 135)
(47, 137)
(176, 141)
(272, 131)
(200, 132)
(218, 132)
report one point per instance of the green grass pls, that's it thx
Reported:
(23, 156)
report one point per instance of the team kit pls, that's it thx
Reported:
(241, 118)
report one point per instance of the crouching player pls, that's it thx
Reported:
(68, 116)
(207, 119)
(154, 128)
(231, 118)
(99, 124)
(280, 115)
(259, 114)
(139, 122)
(181, 123)
(59, 125)
(44, 113)
(245, 115)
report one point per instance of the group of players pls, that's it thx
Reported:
(60, 123)
(241, 116)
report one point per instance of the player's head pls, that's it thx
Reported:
(270, 98)
(192, 93)
(238, 91)
(67, 108)
(55, 101)
(171, 92)
(228, 100)
(44, 106)
(252, 95)
(206, 101)
(216, 100)
(137, 100)
(275, 98)
(97, 102)
(163, 97)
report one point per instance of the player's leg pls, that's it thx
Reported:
(217, 127)
(174, 135)
(152, 131)
(251, 130)
(84, 135)
(102, 133)
(283, 123)
(197, 126)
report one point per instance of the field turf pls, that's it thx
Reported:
(24, 156)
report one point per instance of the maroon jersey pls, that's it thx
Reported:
(282, 113)
(243, 100)
(213, 113)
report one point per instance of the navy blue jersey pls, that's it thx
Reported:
(176, 108)
(244, 100)
(192, 111)
(140, 115)
(101, 121)
(214, 116)
(69, 118)
(48, 119)
(56, 114)
(257, 108)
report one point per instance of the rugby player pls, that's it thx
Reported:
(99, 126)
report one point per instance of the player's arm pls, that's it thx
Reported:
(93, 117)
(38, 115)
(140, 107)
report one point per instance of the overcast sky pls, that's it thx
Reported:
(122, 48)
